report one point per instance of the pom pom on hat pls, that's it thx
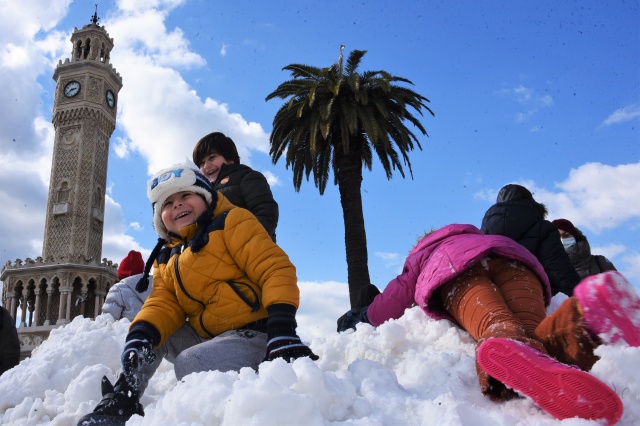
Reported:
(177, 178)
(132, 264)
(567, 226)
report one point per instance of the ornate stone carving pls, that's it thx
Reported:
(70, 136)
(94, 91)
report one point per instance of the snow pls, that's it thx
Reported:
(412, 371)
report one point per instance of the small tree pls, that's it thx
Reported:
(335, 119)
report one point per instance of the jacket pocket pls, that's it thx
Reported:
(246, 293)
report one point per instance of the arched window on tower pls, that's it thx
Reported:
(77, 53)
(96, 205)
(104, 55)
(97, 198)
(63, 193)
(87, 49)
(61, 206)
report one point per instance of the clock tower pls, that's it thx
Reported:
(69, 279)
(84, 117)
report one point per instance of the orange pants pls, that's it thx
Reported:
(499, 297)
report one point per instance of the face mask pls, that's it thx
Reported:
(568, 242)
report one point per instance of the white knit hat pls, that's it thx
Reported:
(177, 178)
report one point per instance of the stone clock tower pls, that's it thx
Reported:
(84, 116)
(70, 279)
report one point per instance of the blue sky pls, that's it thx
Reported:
(545, 94)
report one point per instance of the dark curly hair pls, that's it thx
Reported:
(218, 142)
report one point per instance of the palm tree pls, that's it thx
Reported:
(336, 118)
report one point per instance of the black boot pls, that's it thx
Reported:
(117, 406)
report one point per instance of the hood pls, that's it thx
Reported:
(513, 192)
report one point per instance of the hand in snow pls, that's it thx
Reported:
(135, 353)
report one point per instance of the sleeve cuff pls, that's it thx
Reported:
(144, 330)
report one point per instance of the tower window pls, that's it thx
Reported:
(87, 48)
(63, 193)
(78, 50)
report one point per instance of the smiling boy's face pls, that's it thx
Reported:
(211, 164)
(182, 209)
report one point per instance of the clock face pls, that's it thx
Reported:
(71, 89)
(111, 98)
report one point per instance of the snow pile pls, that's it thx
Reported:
(412, 371)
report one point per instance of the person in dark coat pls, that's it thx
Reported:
(579, 250)
(518, 216)
(217, 158)
(9, 342)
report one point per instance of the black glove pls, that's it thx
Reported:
(351, 318)
(283, 342)
(366, 295)
(288, 348)
(138, 349)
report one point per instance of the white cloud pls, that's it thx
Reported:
(594, 197)
(120, 147)
(631, 268)
(486, 194)
(158, 45)
(23, 196)
(24, 178)
(139, 6)
(622, 115)
(223, 49)
(322, 304)
(389, 259)
(521, 117)
(116, 243)
(523, 94)
(609, 251)
(22, 61)
(598, 196)
(545, 100)
(271, 178)
(15, 57)
(530, 100)
(154, 107)
(22, 20)
(158, 108)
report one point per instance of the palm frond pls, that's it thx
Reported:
(353, 61)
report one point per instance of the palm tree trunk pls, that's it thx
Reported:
(349, 176)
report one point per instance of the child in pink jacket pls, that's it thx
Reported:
(497, 291)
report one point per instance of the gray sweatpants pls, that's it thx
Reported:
(190, 353)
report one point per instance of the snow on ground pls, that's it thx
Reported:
(413, 371)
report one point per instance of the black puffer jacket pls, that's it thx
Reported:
(9, 343)
(518, 216)
(249, 189)
(584, 262)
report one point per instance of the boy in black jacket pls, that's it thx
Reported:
(518, 216)
(217, 158)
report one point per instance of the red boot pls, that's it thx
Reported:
(560, 390)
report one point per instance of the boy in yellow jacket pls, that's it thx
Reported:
(224, 294)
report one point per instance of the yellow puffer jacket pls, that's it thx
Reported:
(241, 255)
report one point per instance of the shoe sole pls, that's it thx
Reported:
(560, 390)
(92, 420)
(611, 307)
